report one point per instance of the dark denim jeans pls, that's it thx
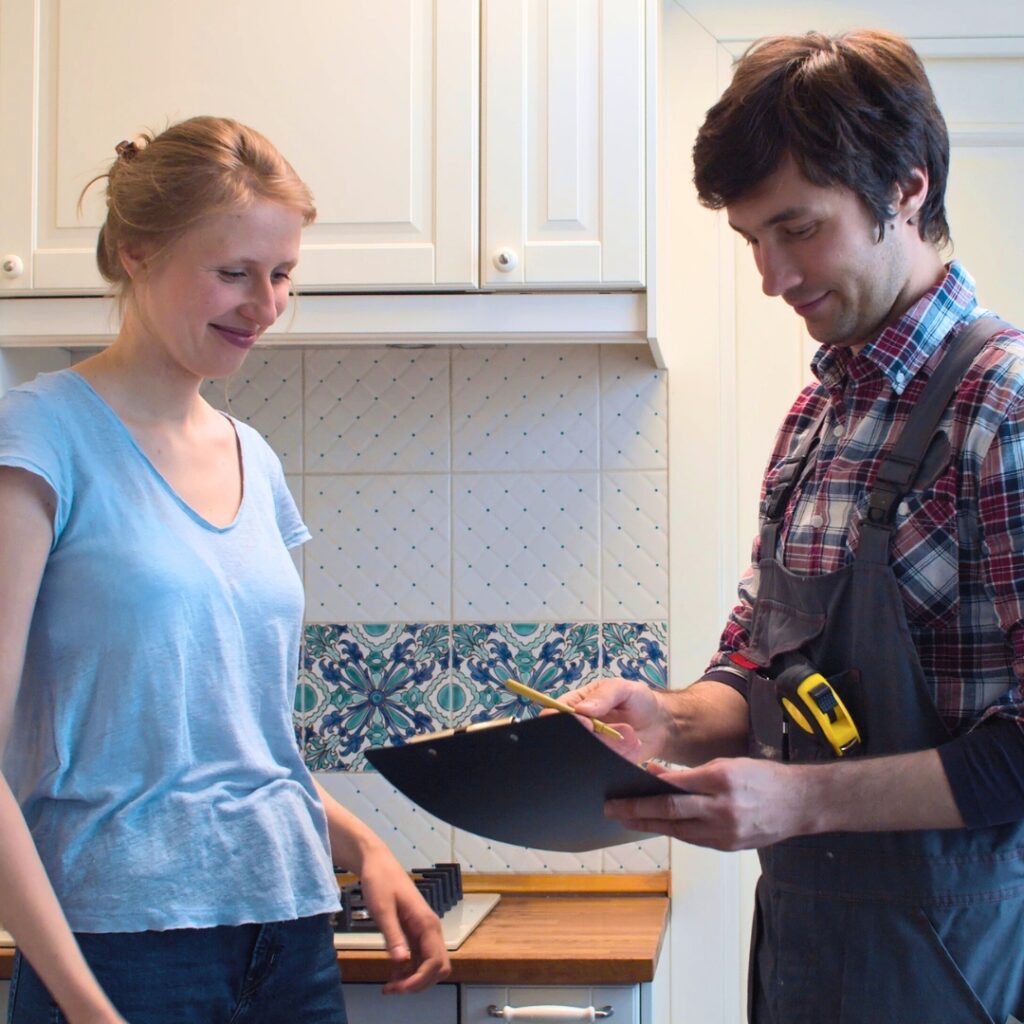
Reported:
(284, 972)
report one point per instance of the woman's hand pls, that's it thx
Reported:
(411, 929)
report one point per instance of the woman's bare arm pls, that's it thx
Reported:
(28, 905)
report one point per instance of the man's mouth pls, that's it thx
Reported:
(810, 307)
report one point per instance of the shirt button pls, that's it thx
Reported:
(900, 377)
(838, 430)
(817, 521)
(903, 509)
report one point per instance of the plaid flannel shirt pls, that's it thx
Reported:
(958, 547)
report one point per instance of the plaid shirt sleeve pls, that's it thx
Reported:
(1001, 520)
(801, 416)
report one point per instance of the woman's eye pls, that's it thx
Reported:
(231, 275)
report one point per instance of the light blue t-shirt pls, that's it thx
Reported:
(152, 748)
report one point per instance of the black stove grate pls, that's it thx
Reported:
(440, 885)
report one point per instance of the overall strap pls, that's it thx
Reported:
(791, 472)
(900, 467)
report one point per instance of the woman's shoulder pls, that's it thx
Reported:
(51, 389)
(49, 398)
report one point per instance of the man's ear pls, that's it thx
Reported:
(910, 195)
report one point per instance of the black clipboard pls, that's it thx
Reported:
(540, 783)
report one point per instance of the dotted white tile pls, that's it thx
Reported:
(416, 838)
(377, 410)
(634, 533)
(380, 548)
(266, 393)
(526, 547)
(640, 858)
(480, 855)
(634, 409)
(525, 407)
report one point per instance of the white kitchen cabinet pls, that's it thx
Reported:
(375, 104)
(481, 1004)
(563, 143)
(365, 1004)
(378, 106)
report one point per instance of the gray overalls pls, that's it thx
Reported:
(923, 927)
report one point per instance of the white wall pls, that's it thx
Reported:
(737, 358)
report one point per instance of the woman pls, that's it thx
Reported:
(164, 853)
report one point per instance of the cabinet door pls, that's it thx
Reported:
(375, 104)
(563, 143)
(623, 1001)
(366, 1004)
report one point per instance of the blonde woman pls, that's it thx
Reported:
(164, 853)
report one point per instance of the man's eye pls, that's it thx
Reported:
(231, 275)
(802, 232)
(282, 275)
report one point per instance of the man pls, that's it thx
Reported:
(892, 858)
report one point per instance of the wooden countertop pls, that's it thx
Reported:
(549, 940)
(597, 936)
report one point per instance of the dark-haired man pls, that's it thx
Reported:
(887, 589)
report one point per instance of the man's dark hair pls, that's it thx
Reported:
(856, 110)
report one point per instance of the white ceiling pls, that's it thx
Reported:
(750, 19)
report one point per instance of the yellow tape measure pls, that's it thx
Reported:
(821, 710)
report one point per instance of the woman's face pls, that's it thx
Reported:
(210, 296)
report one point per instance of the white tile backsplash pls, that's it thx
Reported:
(416, 838)
(634, 544)
(380, 550)
(487, 856)
(634, 410)
(526, 547)
(377, 410)
(531, 408)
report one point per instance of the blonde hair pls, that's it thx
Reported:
(161, 185)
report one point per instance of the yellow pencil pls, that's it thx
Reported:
(549, 702)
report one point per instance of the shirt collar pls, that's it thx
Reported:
(906, 345)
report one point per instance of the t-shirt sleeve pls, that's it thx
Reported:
(289, 522)
(31, 438)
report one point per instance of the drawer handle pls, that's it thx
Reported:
(549, 1014)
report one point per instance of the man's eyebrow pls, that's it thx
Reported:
(789, 213)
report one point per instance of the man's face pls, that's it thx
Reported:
(818, 248)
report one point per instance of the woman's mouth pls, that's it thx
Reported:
(239, 337)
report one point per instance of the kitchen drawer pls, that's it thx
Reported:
(623, 1000)
(367, 1005)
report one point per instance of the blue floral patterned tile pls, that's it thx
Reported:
(636, 650)
(549, 657)
(367, 686)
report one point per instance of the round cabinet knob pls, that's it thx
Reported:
(12, 266)
(506, 260)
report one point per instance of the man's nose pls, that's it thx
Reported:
(779, 271)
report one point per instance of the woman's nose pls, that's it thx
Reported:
(262, 306)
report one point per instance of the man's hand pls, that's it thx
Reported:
(731, 804)
(632, 708)
(741, 803)
(691, 726)
(411, 929)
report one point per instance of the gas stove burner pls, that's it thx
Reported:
(440, 886)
